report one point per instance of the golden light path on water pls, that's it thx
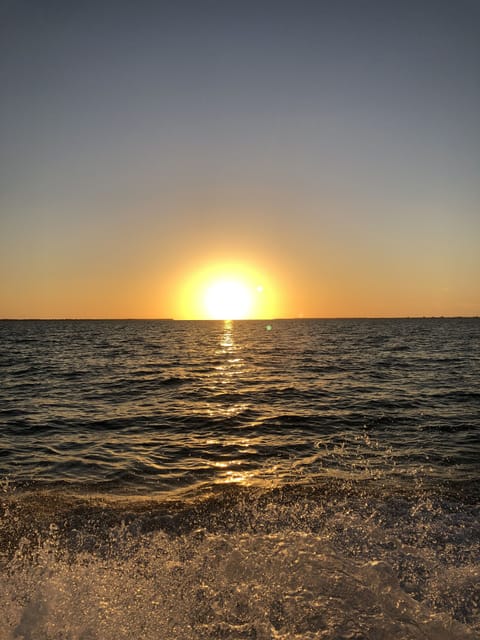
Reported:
(227, 373)
(225, 381)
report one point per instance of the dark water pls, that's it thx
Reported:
(305, 479)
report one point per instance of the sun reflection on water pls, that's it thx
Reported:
(225, 384)
(227, 337)
(231, 364)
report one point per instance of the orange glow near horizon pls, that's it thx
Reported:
(227, 291)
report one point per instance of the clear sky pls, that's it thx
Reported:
(328, 152)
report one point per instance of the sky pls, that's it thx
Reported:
(325, 154)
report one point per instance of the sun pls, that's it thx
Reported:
(228, 299)
(226, 290)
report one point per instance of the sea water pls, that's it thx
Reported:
(248, 479)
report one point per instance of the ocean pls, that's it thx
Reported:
(284, 479)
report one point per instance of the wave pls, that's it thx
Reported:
(330, 561)
(197, 480)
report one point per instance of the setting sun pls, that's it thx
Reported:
(227, 291)
(228, 300)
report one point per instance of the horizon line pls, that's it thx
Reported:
(157, 319)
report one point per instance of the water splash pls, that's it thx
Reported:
(341, 562)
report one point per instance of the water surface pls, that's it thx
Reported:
(290, 479)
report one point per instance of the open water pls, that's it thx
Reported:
(303, 479)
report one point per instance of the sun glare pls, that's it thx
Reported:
(228, 300)
(227, 291)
